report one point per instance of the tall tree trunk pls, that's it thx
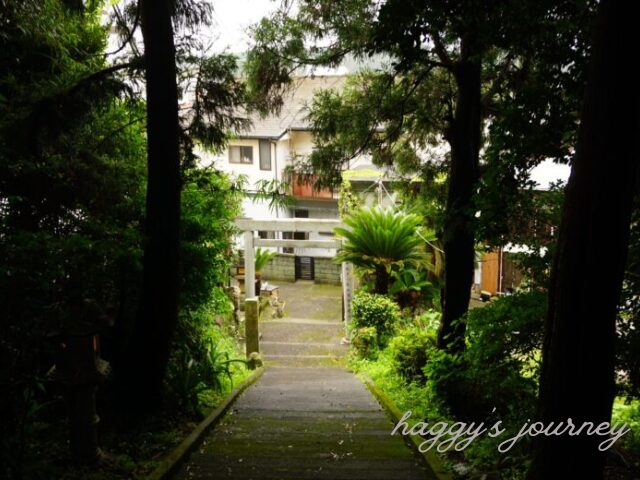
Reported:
(459, 238)
(382, 280)
(578, 355)
(149, 346)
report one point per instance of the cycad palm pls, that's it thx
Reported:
(381, 238)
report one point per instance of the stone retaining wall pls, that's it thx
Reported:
(326, 271)
(282, 267)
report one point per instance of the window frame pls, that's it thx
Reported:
(241, 148)
(267, 144)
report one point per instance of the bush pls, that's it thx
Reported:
(364, 341)
(500, 365)
(410, 350)
(378, 311)
(205, 358)
(628, 411)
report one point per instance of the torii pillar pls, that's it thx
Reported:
(249, 265)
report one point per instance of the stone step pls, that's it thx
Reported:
(309, 321)
(304, 361)
(302, 423)
(271, 348)
(277, 331)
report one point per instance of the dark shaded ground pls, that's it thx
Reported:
(307, 417)
(305, 423)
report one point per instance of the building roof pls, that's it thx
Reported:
(296, 103)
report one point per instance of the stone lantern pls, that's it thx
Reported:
(78, 370)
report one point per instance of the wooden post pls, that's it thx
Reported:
(249, 266)
(251, 335)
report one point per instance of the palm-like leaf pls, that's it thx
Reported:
(262, 258)
(381, 237)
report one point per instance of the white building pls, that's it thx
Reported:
(268, 147)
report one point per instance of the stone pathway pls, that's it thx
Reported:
(307, 417)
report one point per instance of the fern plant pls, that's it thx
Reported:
(262, 258)
(382, 239)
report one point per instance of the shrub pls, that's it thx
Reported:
(364, 341)
(202, 361)
(628, 411)
(510, 328)
(410, 350)
(411, 288)
(378, 311)
(500, 365)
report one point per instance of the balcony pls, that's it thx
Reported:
(303, 190)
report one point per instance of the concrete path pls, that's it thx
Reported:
(307, 417)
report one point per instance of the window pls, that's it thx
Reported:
(287, 236)
(240, 154)
(265, 155)
(267, 235)
(301, 214)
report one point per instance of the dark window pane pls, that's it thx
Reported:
(247, 154)
(265, 155)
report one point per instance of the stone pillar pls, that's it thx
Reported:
(347, 290)
(251, 334)
(249, 266)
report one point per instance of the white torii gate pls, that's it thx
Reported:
(251, 225)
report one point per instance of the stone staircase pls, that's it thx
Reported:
(302, 342)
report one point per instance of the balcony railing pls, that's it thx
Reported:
(304, 188)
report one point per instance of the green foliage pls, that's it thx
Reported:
(216, 98)
(378, 112)
(348, 201)
(364, 340)
(508, 332)
(381, 236)
(414, 396)
(500, 365)
(72, 198)
(274, 193)
(202, 362)
(204, 358)
(375, 311)
(210, 202)
(410, 287)
(628, 411)
(498, 370)
(382, 239)
(535, 225)
(71, 193)
(410, 350)
(262, 258)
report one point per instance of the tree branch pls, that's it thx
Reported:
(100, 74)
(497, 81)
(119, 129)
(441, 51)
(130, 33)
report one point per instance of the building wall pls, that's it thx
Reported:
(252, 170)
(495, 265)
(490, 266)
